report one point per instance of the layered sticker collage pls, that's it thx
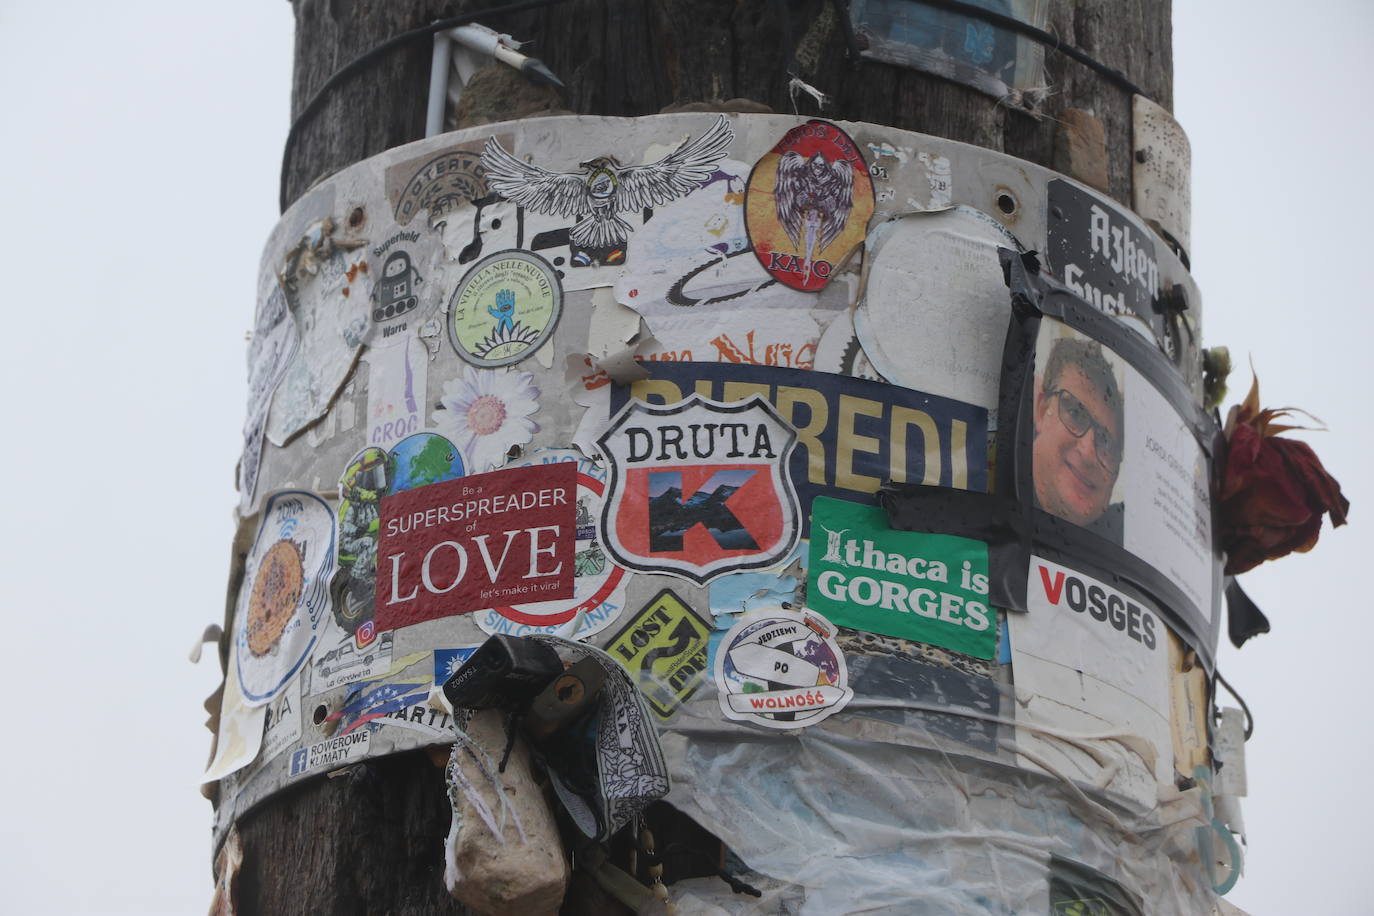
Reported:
(688, 390)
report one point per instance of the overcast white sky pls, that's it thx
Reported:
(139, 182)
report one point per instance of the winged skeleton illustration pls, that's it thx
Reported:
(814, 198)
(604, 188)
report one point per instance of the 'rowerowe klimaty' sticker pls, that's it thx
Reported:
(781, 669)
(285, 593)
(699, 488)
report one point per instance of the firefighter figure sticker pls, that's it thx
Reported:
(808, 204)
(781, 669)
(699, 488)
(505, 308)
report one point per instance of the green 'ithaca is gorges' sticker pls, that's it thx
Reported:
(505, 308)
(932, 588)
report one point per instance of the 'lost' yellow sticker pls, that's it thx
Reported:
(664, 648)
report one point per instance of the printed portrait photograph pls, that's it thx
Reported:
(1079, 431)
(1111, 454)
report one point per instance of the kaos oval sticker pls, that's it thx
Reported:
(505, 308)
(781, 669)
(808, 204)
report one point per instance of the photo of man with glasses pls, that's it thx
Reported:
(1079, 423)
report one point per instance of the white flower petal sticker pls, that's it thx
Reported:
(485, 413)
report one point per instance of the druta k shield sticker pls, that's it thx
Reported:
(699, 488)
(808, 204)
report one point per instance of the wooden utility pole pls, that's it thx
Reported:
(626, 59)
(371, 841)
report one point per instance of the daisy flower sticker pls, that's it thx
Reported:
(485, 413)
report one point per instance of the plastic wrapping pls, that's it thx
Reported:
(628, 433)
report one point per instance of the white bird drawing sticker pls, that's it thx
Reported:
(602, 189)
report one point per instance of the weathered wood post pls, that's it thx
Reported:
(1028, 724)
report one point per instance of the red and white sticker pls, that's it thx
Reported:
(598, 582)
(808, 204)
(699, 488)
(477, 542)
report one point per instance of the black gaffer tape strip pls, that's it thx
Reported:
(1244, 619)
(1033, 297)
(1002, 524)
(995, 520)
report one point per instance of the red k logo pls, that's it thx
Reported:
(699, 488)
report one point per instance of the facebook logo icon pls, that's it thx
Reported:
(298, 760)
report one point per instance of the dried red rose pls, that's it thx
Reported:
(1274, 491)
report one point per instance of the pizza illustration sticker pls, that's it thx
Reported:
(808, 204)
(504, 309)
(781, 669)
(285, 593)
(699, 488)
